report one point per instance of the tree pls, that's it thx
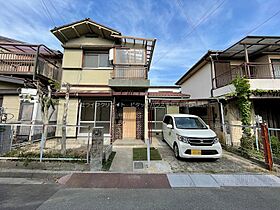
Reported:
(46, 101)
(64, 119)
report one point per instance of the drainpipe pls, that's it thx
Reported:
(222, 115)
(212, 73)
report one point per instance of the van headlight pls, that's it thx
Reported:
(183, 138)
(216, 140)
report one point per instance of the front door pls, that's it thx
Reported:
(129, 122)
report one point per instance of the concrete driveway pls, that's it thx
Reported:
(229, 163)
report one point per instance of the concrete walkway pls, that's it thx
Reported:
(223, 180)
(123, 160)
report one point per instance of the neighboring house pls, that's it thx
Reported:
(22, 64)
(163, 100)
(254, 57)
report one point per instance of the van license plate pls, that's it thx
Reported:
(196, 152)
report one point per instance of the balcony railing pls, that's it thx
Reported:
(129, 72)
(16, 63)
(250, 71)
(49, 70)
(24, 63)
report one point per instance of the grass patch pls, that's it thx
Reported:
(106, 165)
(141, 154)
(70, 153)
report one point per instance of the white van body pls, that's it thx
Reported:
(190, 137)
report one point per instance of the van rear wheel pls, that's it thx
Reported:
(176, 151)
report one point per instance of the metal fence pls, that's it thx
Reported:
(251, 146)
(14, 146)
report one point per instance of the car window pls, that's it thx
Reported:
(189, 123)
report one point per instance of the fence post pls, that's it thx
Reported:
(96, 151)
(42, 143)
(266, 145)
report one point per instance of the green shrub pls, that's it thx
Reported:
(275, 144)
(247, 142)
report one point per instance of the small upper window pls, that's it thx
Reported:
(96, 59)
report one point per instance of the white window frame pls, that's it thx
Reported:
(155, 121)
(94, 121)
(98, 55)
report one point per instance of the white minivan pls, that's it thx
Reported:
(190, 137)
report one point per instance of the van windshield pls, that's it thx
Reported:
(189, 123)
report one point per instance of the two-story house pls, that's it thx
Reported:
(108, 77)
(21, 65)
(256, 58)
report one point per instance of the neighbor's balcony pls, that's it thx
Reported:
(261, 76)
(250, 71)
(26, 60)
(24, 64)
(129, 76)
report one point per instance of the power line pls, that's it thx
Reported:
(264, 22)
(47, 11)
(180, 6)
(59, 14)
(203, 18)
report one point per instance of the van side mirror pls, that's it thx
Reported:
(208, 126)
(169, 126)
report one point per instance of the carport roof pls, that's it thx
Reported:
(255, 45)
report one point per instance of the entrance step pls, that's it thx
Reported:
(129, 143)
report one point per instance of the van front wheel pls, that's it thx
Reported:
(176, 151)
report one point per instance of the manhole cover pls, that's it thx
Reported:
(138, 165)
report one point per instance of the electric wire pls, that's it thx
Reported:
(47, 11)
(59, 14)
(264, 22)
(189, 21)
(201, 20)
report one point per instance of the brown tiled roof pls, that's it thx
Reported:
(167, 94)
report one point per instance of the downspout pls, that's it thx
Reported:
(217, 99)
(212, 75)
(214, 86)
(222, 116)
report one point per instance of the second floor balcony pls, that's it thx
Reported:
(129, 76)
(33, 61)
(130, 72)
(252, 71)
(130, 68)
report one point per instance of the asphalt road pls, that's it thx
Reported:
(51, 196)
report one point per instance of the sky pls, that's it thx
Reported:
(184, 29)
